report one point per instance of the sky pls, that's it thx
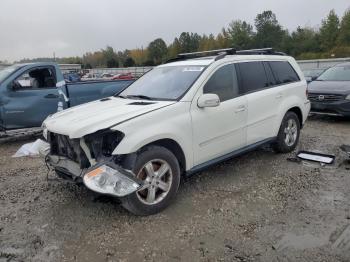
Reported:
(40, 28)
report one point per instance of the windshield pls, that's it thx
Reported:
(164, 83)
(313, 72)
(5, 72)
(337, 73)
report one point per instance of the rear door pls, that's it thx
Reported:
(222, 129)
(30, 98)
(256, 82)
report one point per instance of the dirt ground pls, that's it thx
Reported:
(257, 207)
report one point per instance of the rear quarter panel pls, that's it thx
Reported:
(294, 95)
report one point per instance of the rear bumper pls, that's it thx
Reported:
(338, 108)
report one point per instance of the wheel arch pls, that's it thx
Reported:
(173, 147)
(129, 159)
(299, 114)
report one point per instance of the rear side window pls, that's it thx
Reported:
(223, 83)
(270, 77)
(283, 72)
(253, 76)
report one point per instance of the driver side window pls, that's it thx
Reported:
(223, 83)
(36, 78)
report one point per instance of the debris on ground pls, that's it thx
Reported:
(32, 149)
(316, 157)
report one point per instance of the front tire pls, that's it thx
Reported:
(288, 134)
(160, 171)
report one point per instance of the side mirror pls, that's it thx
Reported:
(313, 78)
(208, 100)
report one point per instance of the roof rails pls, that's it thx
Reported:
(261, 51)
(216, 52)
(221, 53)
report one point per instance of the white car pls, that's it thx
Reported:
(178, 119)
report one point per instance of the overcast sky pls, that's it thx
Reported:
(37, 28)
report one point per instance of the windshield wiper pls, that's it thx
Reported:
(139, 96)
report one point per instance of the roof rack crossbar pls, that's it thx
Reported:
(206, 53)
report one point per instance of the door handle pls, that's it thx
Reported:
(240, 109)
(51, 96)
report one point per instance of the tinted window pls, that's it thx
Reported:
(283, 72)
(270, 77)
(253, 76)
(223, 83)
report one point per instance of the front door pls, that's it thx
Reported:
(222, 129)
(30, 99)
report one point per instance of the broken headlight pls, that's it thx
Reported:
(103, 142)
(113, 181)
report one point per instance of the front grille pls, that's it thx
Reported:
(325, 97)
(62, 145)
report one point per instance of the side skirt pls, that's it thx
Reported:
(235, 153)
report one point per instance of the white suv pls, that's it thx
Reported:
(178, 119)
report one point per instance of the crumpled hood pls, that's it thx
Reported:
(88, 118)
(330, 87)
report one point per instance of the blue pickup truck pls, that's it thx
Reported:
(31, 92)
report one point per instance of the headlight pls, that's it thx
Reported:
(347, 97)
(107, 180)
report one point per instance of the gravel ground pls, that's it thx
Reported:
(257, 207)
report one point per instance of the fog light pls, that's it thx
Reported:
(107, 180)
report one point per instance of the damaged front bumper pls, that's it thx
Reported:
(104, 178)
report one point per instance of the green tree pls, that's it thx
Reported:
(189, 42)
(222, 39)
(329, 31)
(269, 32)
(303, 40)
(112, 63)
(129, 62)
(157, 51)
(240, 34)
(175, 48)
(344, 31)
(110, 57)
(207, 43)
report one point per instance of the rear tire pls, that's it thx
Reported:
(160, 171)
(288, 134)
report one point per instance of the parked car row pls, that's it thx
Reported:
(107, 76)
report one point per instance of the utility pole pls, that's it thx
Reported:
(54, 57)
